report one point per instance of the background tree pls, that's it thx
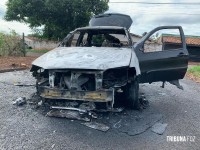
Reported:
(57, 17)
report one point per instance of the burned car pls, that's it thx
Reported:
(94, 63)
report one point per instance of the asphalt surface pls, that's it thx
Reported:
(25, 127)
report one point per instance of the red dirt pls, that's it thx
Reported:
(192, 77)
(194, 63)
(16, 62)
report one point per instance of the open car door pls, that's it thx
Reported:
(162, 55)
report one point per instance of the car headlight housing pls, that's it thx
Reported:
(116, 77)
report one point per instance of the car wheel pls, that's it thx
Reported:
(132, 95)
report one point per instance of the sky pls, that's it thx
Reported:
(145, 16)
(7, 26)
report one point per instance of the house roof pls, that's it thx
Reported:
(190, 40)
(132, 34)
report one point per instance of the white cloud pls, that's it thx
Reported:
(146, 17)
(6, 26)
(18, 27)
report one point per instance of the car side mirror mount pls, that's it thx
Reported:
(141, 48)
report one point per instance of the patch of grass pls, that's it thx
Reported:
(37, 51)
(195, 70)
(193, 73)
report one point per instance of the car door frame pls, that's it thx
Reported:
(164, 65)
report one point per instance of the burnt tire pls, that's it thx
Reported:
(132, 95)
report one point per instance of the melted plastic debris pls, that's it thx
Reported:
(88, 106)
(97, 126)
(70, 114)
(159, 128)
(20, 101)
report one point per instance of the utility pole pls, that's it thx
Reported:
(23, 45)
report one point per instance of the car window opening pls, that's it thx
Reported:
(162, 40)
(98, 38)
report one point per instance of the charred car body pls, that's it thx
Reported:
(94, 63)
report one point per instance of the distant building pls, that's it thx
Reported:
(36, 43)
(193, 44)
(135, 37)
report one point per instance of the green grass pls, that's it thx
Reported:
(37, 51)
(195, 70)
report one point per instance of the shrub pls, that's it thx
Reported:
(11, 44)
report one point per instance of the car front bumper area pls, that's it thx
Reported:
(103, 95)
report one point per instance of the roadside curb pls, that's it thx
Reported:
(13, 69)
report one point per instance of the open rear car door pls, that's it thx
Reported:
(162, 54)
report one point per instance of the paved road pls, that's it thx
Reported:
(27, 128)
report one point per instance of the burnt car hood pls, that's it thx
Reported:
(96, 58)
(111, 19)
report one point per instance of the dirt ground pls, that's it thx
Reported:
(194, 63)
(16, 62)
(192, 77)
